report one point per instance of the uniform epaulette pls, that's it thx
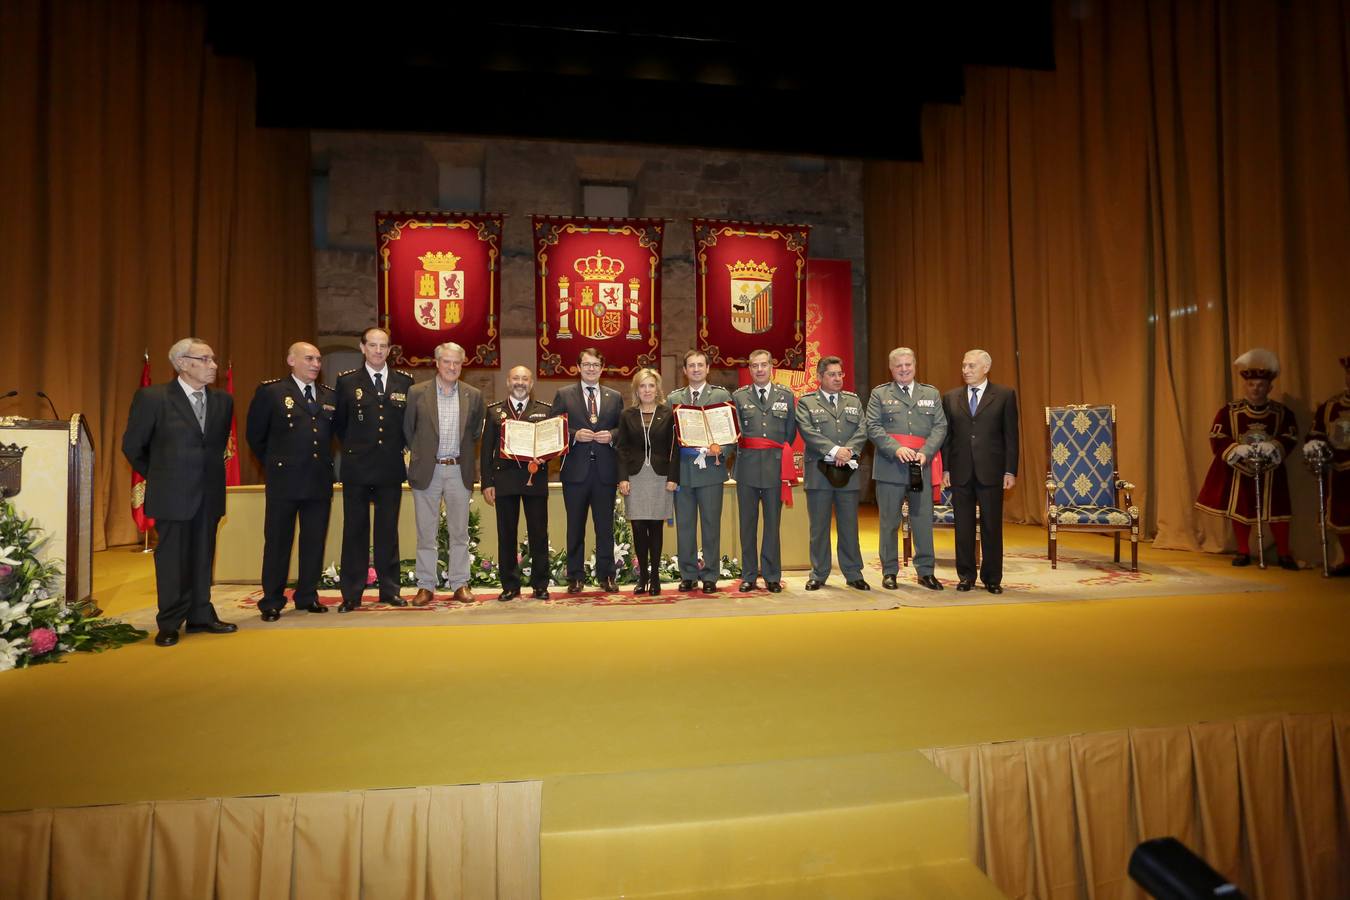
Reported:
(404, 372)
(348, 372)
(325, 387)
(849, 393)
(270, 381)
(882, 385)
(927, 385)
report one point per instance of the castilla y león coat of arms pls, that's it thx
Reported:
(438, 291)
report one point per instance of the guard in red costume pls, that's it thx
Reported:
(1244, 432)
(1329, 438)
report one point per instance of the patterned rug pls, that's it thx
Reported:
(1028, 578)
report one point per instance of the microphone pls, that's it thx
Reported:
(43, 395)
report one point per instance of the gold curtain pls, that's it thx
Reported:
(1265, 801)
(1117, 230)
(463, 841)
(138, 205)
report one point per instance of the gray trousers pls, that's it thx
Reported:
(699, 507)
(446, 485)
(889, 496)
(844, 505)
(766, 560)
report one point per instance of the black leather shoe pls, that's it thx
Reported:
(686, 586)
(930, 582)
(890, 583)
(316, 608)
(860, 585)
(574, 585)
(216, 627)
(540, 593)
(964, 586)
(813, 585)
(709, 587)
(1341, 571)
(609, 585)
(349, 606)
(993, 588)
(166, 639)
(775, 587)
(509, 594)
(1242, 559)
(271, 615)
(1288, 562)
(654, 588)
(747, 586)
(394, 601)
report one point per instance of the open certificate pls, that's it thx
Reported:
(525, 440)
(703, 426)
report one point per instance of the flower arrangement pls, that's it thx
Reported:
(36, 624)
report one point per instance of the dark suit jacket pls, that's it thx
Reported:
(184, 467)
(986, 446)
(371, 427)
(294, 446)
(509, 476)
(578, 465)
(632, 447)
(422, 429)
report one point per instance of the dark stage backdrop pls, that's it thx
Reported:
(139, 204)
(1118, 230)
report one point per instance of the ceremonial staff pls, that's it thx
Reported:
(1317, 463)
(1258, 466)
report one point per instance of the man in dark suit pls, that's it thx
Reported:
(508, 484)
(369, 422)
(590, 470)
(290, 428)
(980, 455)
(176, 438)
(442, 425)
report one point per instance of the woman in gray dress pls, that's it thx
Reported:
(649, 473)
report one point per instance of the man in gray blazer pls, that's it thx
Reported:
(698, 503)
(768, 414)
(906, 423)
(443, 425)
(830, 422)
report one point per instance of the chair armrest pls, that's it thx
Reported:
(1127, 487)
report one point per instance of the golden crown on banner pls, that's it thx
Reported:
(752, 270)
(598, 267)
(439, 262)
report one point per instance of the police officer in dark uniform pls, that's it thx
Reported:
(290, 428)
(509, 484)
(369, 422)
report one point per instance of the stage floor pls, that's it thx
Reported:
(317, 707)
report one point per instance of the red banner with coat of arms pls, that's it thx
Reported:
(750, 291)
(440, 280)
(597, 284)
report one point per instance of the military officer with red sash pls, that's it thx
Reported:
(1330, 437)
(1244, 432)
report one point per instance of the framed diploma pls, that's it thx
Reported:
(704, 426)
(533, 441)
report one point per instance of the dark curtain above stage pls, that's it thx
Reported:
(1177, 191)
(139, 204)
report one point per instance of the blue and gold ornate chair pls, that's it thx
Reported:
(1084, 491)
(943, 517)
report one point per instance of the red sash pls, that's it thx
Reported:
(789, 471)
(914, 443)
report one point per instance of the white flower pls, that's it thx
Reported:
(13, 612)
(9, 654)
(6, 559)
(48, 602)
(62, 628)
(331, 571)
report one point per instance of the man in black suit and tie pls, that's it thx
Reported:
(290, 428)
(590, 470)
(980, 454)
(176, 437)
(371, 400)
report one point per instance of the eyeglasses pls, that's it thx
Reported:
(591, 365)
(205, 360)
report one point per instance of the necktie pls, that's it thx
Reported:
(520, 407)
(693, 398)
(904, 389)
(199, 408)
(763, 395)
(379, 383)
(590, 403)
(974, 400)
(309, 397)
(834, 405)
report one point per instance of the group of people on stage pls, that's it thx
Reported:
(1252, 437)
(965, 440)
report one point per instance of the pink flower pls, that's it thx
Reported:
(41, 640)
(5, 571)
(371, 576)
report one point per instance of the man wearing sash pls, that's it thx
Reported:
(1243, 431)
(511, 483)
(907, 425)
(698, 503)
(1330, 435)
(764, 470)
(830, 422)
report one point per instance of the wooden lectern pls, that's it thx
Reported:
(48, 474)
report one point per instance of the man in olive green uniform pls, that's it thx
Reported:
(906, 423)
(764, 471)
(698, 503)
(830, 422)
